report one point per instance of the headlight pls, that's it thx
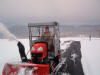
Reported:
(40, 49)
(33, 49)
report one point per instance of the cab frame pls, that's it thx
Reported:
(40, 29)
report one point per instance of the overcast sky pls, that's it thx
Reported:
(20, 12)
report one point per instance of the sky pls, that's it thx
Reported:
(66, 12)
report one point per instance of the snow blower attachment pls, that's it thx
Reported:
(44, 49)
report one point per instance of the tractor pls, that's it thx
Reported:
(45, 53)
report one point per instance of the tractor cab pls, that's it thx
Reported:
(44, 41)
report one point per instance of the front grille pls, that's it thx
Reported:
(37, 54)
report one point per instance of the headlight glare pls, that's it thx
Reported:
(33, 49)
(40, 49)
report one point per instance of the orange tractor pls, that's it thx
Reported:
(44, 39)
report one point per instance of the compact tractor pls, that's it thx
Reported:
(45, 53)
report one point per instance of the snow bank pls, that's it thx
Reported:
(90, 54)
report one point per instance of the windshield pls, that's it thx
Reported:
(37, 32)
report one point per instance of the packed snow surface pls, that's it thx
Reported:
(90, 53)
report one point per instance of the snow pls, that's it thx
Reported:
(91, 56)
(90, 53)
(9, 51)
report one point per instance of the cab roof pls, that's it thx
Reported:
(49, 24)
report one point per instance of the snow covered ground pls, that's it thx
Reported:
(90, 52)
